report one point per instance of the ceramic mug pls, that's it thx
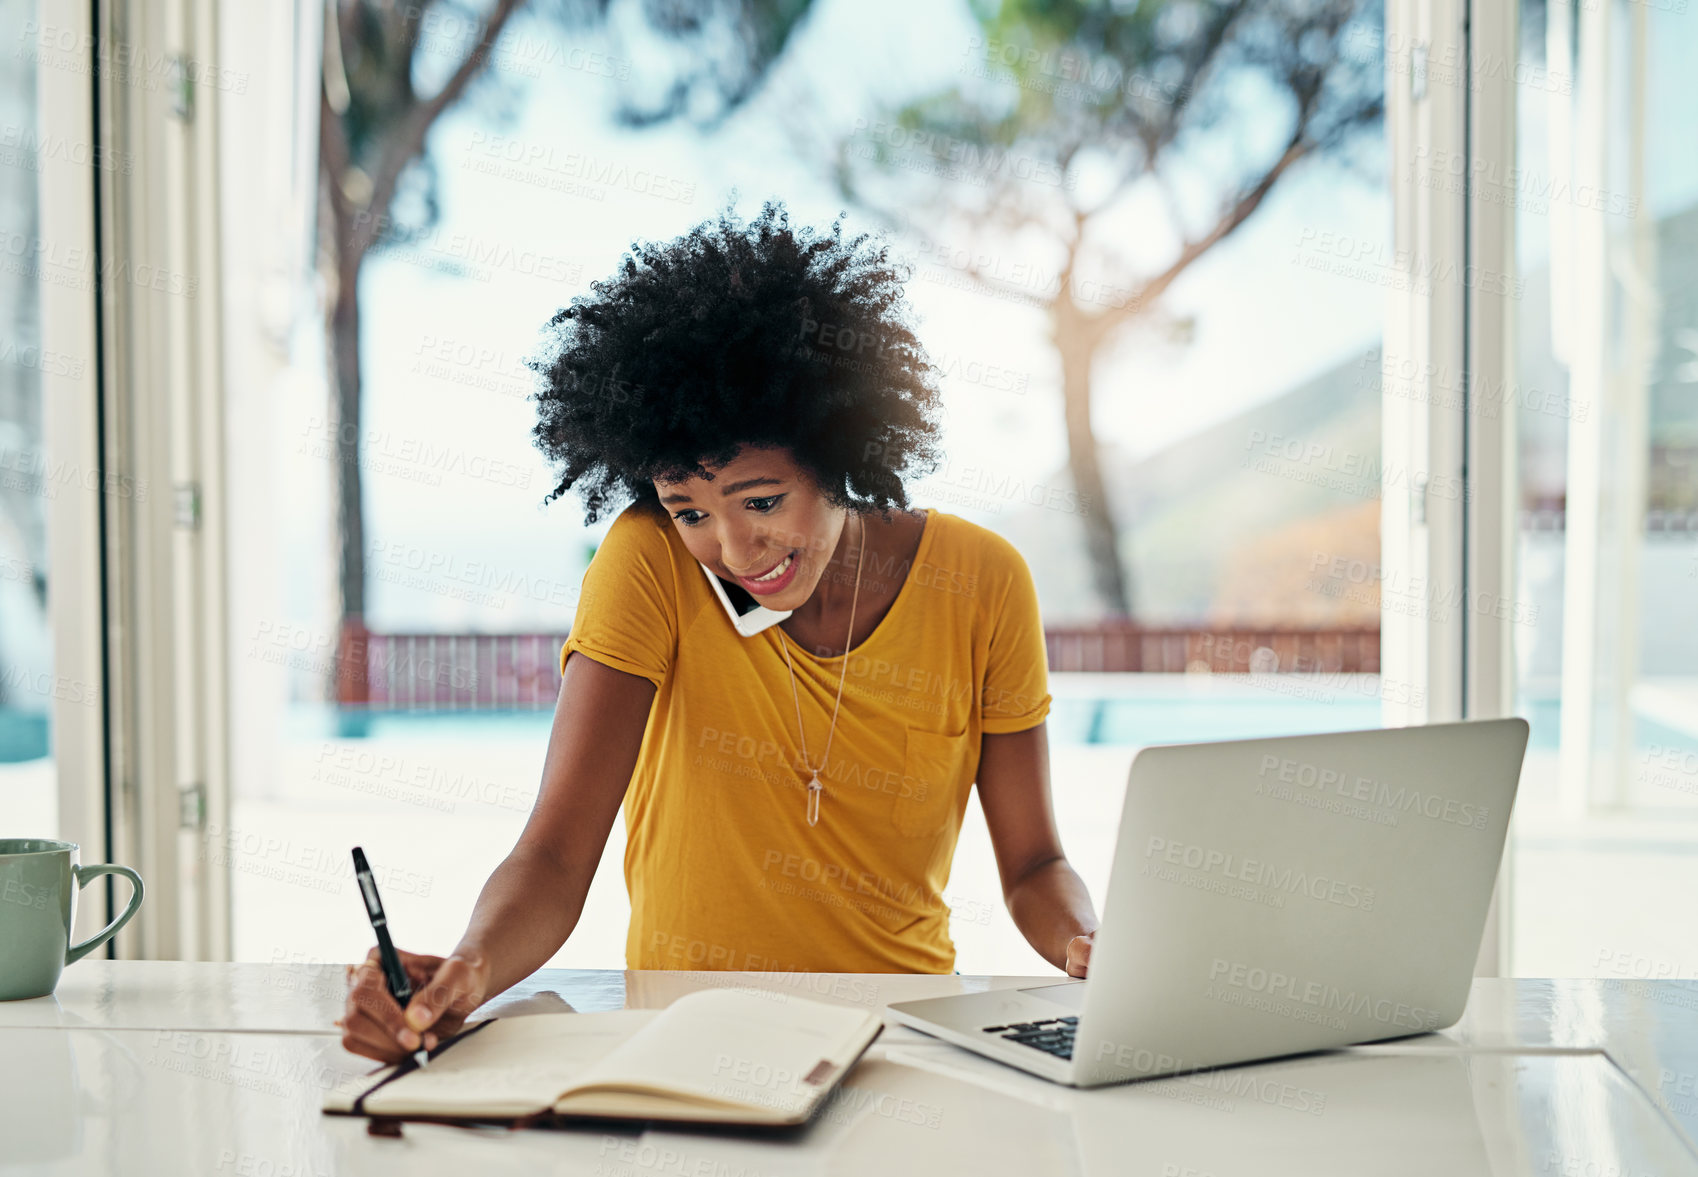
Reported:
(39, 881)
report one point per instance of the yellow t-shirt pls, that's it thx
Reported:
(723, 870)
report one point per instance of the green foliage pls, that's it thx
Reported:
(1133, 80)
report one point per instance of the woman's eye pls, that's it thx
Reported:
(761, 505)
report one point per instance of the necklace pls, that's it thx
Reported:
(815, 787)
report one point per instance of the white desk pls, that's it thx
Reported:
(150, 1067)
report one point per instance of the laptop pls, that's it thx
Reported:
(1270, 897)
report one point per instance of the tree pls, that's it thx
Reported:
(378, 181)
(1099, 104)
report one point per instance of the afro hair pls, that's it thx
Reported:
(738, 335)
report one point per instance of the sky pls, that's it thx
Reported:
(435, 341)
(443, 349)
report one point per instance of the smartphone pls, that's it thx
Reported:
(748, 615)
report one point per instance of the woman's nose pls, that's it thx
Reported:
(749, 552)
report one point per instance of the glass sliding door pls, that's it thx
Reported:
(28, 783)
(1605, 189)
(1163, 379)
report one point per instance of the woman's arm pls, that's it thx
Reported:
(533, 900)
(1044, 894)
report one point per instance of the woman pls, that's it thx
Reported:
(792, 798)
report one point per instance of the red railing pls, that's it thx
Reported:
(491, 672)
(1175, 650)
(448, 671)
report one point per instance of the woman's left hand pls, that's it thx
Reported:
(1079, 954)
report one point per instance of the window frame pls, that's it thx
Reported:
(1448, 504)
(70, 325)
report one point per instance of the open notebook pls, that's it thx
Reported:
(718, 1056)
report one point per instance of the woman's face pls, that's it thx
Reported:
(761, 514)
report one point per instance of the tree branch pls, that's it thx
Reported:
(1248, 202)
(409, 139)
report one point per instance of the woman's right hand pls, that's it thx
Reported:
(445, 992)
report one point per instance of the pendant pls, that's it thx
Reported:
(815, 788)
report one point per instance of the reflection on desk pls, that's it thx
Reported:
(143, 1067)
(168, 1101)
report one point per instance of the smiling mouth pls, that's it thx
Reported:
(772, 574)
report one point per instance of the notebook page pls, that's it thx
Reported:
(735, 1046)
(512, 1068)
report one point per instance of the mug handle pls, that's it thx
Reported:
(83, 874)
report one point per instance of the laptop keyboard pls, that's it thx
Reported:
(1052, 1035)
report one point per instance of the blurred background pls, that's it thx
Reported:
(1152, 253)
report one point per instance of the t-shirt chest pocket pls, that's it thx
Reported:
(930, 763)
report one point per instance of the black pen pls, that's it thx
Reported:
(399, 987)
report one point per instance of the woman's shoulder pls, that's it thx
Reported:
(972, 553)
(639, 543)
(638, 531)
(962, 538)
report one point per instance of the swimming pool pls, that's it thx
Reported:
(1104, 709)
(1117, 710)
